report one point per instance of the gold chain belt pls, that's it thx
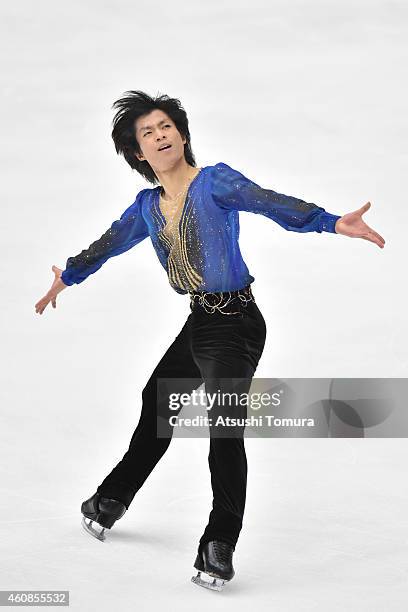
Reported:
(212, 302)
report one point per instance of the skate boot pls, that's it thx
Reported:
(214, 565)
(103, 511)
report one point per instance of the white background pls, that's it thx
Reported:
(306, 98)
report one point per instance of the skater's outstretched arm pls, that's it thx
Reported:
(231, 190)
(123, 234)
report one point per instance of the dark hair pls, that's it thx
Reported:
(133, 105)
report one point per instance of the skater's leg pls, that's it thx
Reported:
(227, 458)
(146, 448)
(227, 346)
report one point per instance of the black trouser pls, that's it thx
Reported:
(208, 347)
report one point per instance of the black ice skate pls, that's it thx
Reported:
(214, 565)
(103, 511)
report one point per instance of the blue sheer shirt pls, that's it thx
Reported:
(208, 231)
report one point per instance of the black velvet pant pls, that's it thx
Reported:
(209, 346)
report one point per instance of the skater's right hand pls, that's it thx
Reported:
(51, 296)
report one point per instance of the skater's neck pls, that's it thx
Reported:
(175, 180)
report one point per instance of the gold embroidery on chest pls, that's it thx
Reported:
(174, 235)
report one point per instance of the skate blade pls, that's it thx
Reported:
(99, 535)
(208, 582)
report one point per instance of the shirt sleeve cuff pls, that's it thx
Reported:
(65, 278)
(327, 222)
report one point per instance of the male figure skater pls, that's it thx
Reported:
(192, 219)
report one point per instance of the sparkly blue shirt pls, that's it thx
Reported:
(208, 231)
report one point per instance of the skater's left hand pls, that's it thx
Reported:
(352, 224)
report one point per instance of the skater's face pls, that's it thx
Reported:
(153, 131)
